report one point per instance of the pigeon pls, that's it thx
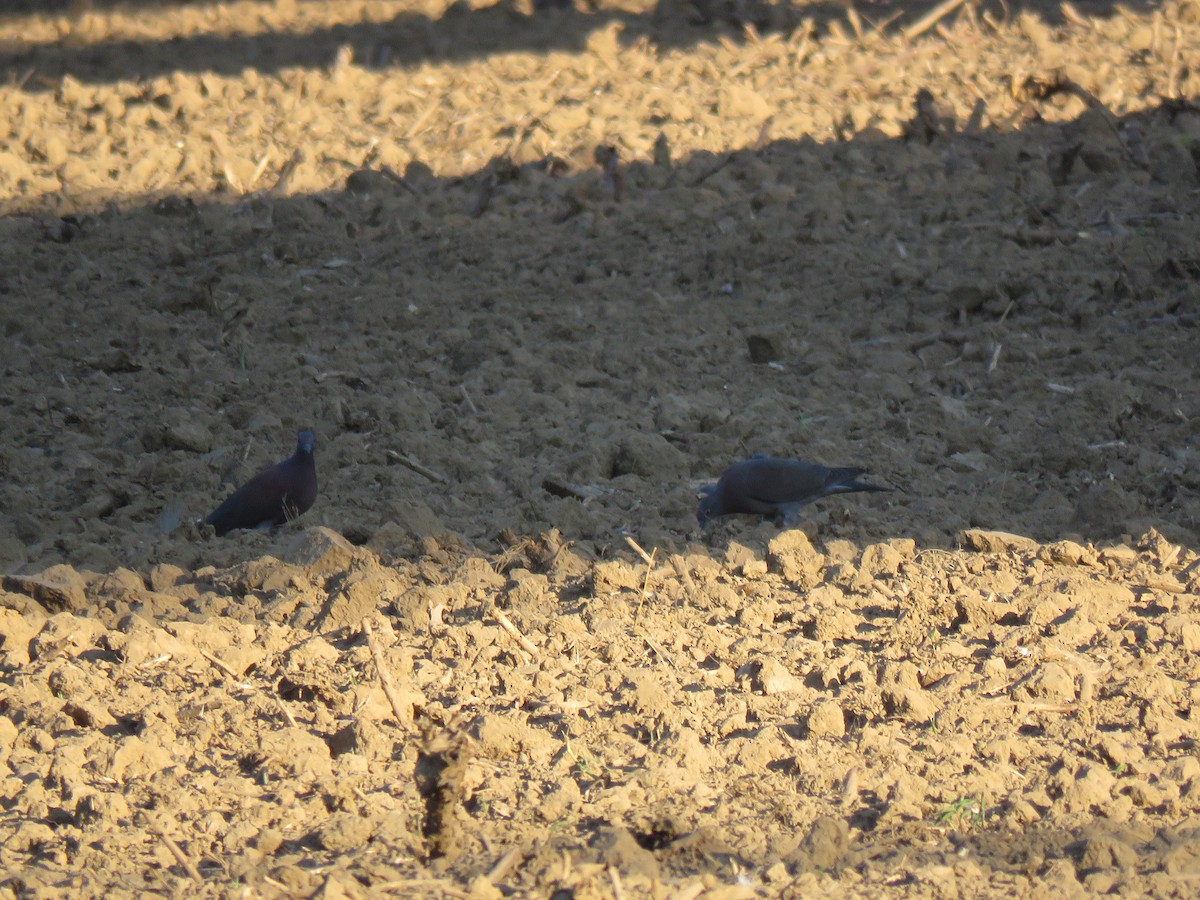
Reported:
(776, 488)
(273, 496)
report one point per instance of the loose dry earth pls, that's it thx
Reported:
(532, 277)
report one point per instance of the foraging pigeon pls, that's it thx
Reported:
(273, 496)
(767, 486)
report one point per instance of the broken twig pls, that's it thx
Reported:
(385, 673)
(512, 629)
(182, 858)
(931, 18)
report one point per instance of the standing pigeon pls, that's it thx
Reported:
(778, 488)
(273, 496)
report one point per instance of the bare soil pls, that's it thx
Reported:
(533, 276)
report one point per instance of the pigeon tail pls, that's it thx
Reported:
(845, 481)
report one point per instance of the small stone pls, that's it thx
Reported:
(776, 874)
(319, 551)
(343, 832)
(1068, 553)
(417, 519)
(793, 556)
(481, 888)
(648, 456)
(59, 588)
(188, 435)
(994, 541)
(1050, 682)
(269, 840)
(880, 560)
(1120, 753)
(1104, 851)
(754, 568)
(825, 845)
(910, 703)
(768, 676)
(615, 575)
(560, 801)
(620, 849)
(304, 755)
(1189, 637)
(762, 349)
(1092, 788)
(164, 576)
(826, 720)
(1120, 555)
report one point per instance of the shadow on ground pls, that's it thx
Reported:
(999, 323)
(456, 34)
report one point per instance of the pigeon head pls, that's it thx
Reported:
(710, 505)
(306, 442)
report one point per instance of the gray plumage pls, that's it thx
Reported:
(776, 488)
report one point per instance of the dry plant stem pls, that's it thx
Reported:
(646, 580)
(1171, 555)
(232, 674)
(512, 629)
(764, 136)
(659, 651)
(180, 857)
(216, 662)
(467, 399)
(995, 357)
(259, 169)
(923, 24)
(801, 49)
(280, 186)
(385, 673)
(726, 159)
(422, 119)
(649, 559)
(503, 865)
(1173, 71)
(615, 877)
(1167, 587)
(417, 467)
(1034, 707)
(855, 21)
(850, 787)
(637, 548)
(1053, 651)
(1072, 15)
(419, 887)
(680, 567)
(282, 707)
